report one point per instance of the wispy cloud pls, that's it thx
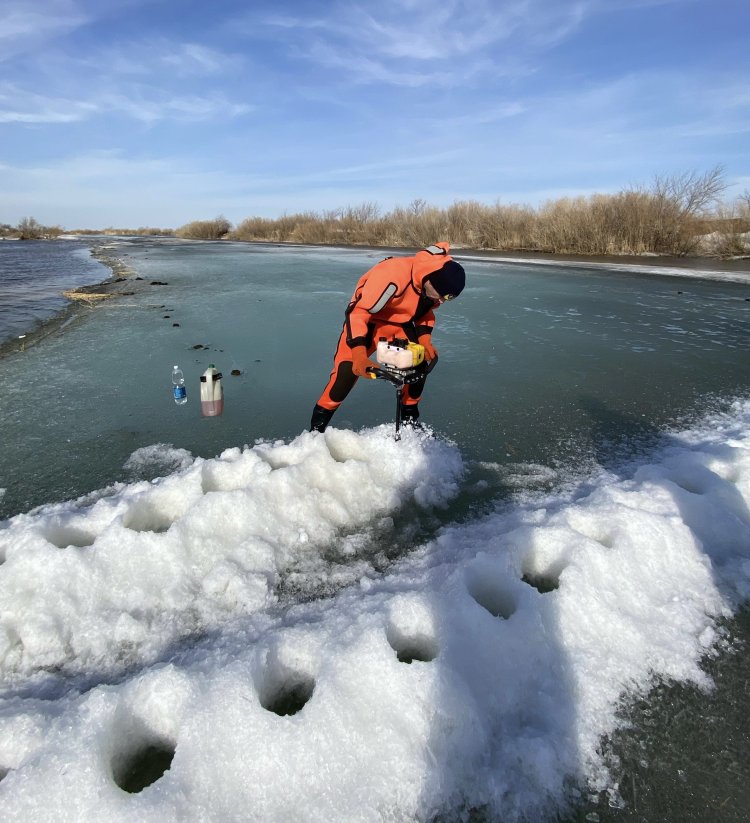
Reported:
(18, 105)
(21, 105)
(25, 25)
(150, 109)
(161, 58)
(418, 43)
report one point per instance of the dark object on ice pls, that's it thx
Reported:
(158, 283)
(199, 346)
(167, 316)
(236, 372)
(175, 325)
(321, 417)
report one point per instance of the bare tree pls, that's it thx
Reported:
(692, 191)
(417, 206)
(30, 229)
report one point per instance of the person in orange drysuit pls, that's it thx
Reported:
(395, 298)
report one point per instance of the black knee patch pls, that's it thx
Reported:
(414, 390)
(345, 380)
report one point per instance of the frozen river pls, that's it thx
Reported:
(543, 370)
(576, 529)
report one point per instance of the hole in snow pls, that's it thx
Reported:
(543, 583)
(543, 573)
(289, 696)
(411, 630)
(3, 773)
(493, 595)
(146, 518)
(689, 485)
(419, 647)
(135, 771)
(64, 536)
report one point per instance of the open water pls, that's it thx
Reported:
(547, 375)
(33, 275)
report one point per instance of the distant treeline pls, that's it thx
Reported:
(30, 229)
(676, 215)
(673, 216)
(143, 231)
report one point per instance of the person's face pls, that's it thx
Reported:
(431, 292)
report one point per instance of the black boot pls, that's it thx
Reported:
(320, 418)
(410, 416)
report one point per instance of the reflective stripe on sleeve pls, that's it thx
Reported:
(390, 290)
(435, 250)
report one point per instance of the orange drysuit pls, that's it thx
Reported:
(388, 302)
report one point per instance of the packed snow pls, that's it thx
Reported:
(153, 623)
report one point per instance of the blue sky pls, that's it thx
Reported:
(156, 112)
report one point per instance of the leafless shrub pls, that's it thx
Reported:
(214, 229)
(665, 218)
(31, 229)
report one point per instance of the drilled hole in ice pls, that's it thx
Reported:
(289, 697)
(146, 518)
(688, 485)
(142, 767)
(543, 583)
(493, 596)
(64, 536)
(412, 646)
(543, 573)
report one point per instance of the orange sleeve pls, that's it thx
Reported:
(373, 293)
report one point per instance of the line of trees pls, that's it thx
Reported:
(142, 231)
(672, 216)
(676, 215)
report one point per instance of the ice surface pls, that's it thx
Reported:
(480, 671)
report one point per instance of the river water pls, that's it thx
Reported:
(550, 378)
(33, 275)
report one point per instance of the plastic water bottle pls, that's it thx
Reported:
(178, 386)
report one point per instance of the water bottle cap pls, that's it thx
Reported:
(211, 366)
